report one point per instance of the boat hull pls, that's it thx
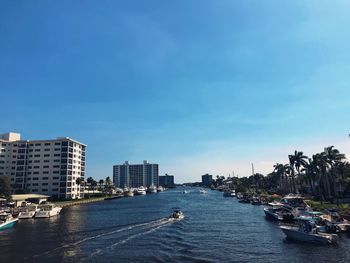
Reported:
(26, 215)
(46, 214)
(8, 224)
(272, 216)
(297, 235)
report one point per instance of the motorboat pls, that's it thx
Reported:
(184, 191)
(255, 201)
(47, 210)
(203, 191)
(229, 193)
(244, 199)
(127, 192)
(140, 191)
(276, 211)
(306, 231)
(7, 221)
(177, 214)
(239, 196)
(297, 204)
(28, 212)
(334, 221)
(160, 189)
(152, 189)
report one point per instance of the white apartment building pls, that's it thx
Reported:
(135, 175)
(49, 167)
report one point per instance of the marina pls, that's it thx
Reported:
(214, 229)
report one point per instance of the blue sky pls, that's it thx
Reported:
(196, 86)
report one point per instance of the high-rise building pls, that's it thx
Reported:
(135, 175)
(49, 167)
(207, 180)
(166, 181)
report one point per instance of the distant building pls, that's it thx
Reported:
(49, 167)
(135, 175)
(207, 180)
(166, 181)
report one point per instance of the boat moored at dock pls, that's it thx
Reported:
(140, 191)
(28, 212)
(47, 210)
(152, 189)
(306, 231)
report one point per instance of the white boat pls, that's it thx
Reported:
(140, 191)
(277, 211)
(203, 191)
(306, 231)
(334, 220)
(28, 212)
(7, 221)
(152, 189)
(47, 210)
(160, 188)
(177, 214)
(229, 193)
(185, 192)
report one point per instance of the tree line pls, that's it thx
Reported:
(324, 175)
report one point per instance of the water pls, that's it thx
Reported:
(215, 229)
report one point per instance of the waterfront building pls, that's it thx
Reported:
(49, 167)
(135, 175)
(166, 181)
(207, 180)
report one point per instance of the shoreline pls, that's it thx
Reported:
(79, 201)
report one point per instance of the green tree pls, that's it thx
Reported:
(5, 189)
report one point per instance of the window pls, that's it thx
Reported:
(56, 161)
(57, 143)
(57, 149)
(46, 144)
(54, 189)
(37, 150)
(36, 167)
(46, 161)
(36, 161)
(56, 155)
(46, 155)
(55, 178)
(37, 144)
(47, 150)
(56, 172)
(37, 155)
(35, 184)
(45, 172)
(34, 190)
(44, 184)
(46, 166)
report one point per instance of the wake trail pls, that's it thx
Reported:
(160, 225)
(131, 227)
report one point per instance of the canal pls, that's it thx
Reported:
(136, 229)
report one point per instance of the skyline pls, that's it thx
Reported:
(207, 88)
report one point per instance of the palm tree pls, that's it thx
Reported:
(79, 181)
(101, 183)
(296, 161)
(280, 170)
(322, 163)
(334, 158)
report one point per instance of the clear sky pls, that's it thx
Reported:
(196, 86)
